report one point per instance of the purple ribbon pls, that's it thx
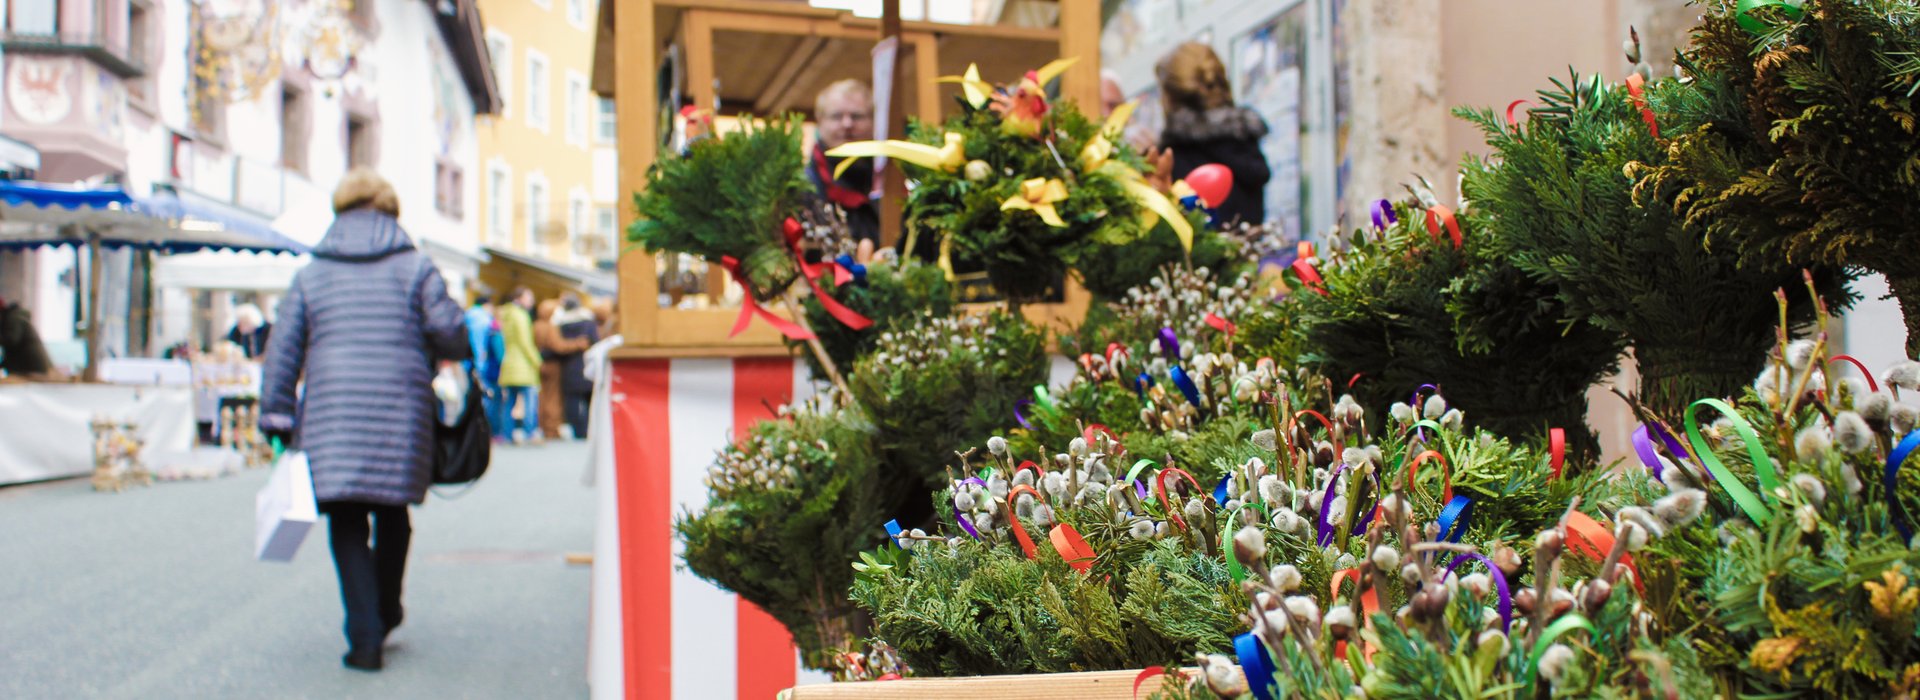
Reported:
(1169, 344)
(1644, 447)
(962, 517)
(1499, 583)
(1017, 415)
(1383, 214)
(1324, 528)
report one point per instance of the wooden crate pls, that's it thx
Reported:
(1091, 685)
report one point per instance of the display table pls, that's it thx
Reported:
(46, 429)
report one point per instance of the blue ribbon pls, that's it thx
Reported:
(1141, 383)
(1187, 387)
(1255, 663)
(1453, 518)
(859, 271)
(1892, 479)
(1192, 202)
(1220, 492)
(893, 533)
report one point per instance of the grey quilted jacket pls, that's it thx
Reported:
(364, 323)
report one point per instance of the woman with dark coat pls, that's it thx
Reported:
(576, 324)
(365, 324)
(1204, 126)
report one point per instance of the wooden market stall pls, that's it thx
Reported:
(680, 387)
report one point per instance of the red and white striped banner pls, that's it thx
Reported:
(658, 630)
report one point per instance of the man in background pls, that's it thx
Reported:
(483, 334)
(843, 113)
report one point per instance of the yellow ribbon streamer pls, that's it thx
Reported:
(1153, 204)
(1039, 195)
(1052, 70)
(977, 91)
(948, 158)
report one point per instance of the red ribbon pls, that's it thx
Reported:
(1369, 604)
(1310, 276)
(1441, 214)
(1871, 385)
(750, 308)
(1152, 671)
(1160, 481)
(1589, 537)
(1637, 89)
(1557, 444)
(1020, 531)
(1446, 473)
(1072, 547)
(1220, 324)
(1512, 106)
(838, 193)
(847, 317)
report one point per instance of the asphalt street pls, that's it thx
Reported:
(154, 593)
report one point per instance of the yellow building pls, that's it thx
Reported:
(547, 192)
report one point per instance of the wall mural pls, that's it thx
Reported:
(235, 54)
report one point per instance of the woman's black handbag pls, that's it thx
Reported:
(462, 451)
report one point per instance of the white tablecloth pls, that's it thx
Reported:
(46, 429)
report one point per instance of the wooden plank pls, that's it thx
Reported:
(635, 87)
(1091, 685)
(926, 68)
(1080, 38)
(631, 352)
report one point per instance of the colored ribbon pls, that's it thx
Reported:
(1186, 385)
(1310, 276)
(894, 532)
(1013, 521)
(1441, 215)
(1154, 206)
(1891, 481)
(1446, 473)
(1022, 417)
(1557, 447)
(1511, 121)
(1369, 604)
(1255, 664)
(1453, 519)
(1499, 583)
(1762, 465)
(750, 308)
(1743, 13)
(1649, 456)
(1234, 567)
(949, 157)
(1169, 344)
(855, 270)
(1871, 385)
(1097, 429)
(1587, 536)
(1133, 475)
(1220, 324)
(1637, 90)
(1150, 672)
(1383, 214)
(847, 317)
(1567, 623)
(1038, 471)
(1220, 491)
(1039, 195)
(1160, 483)
(1323, 529)
(1141, 383)
(1072, 547)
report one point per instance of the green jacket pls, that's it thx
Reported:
(521, 366)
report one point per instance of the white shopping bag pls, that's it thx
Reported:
(284, 510)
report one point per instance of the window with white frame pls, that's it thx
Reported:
(577, 13)
(537, 214)
(577, 212)
(606, 126)
(537, 96)
(35, 17)
(500, 51)
(606, 223)
(576, 108)
(500, 206)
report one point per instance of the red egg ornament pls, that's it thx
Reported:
(1213, 182)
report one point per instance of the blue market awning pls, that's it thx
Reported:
(36, 214)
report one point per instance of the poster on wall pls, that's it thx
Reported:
(1269, 70)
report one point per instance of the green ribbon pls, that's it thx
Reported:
(1743, 13)
(1567, 623)
(1133, 477)
(1234, 569)
(1755, 508)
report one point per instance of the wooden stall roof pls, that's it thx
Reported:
(789, 51)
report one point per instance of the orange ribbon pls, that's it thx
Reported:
(1441, 214)
(1072, 547)
(1310, 276)
(1013, 521)
(1369, 604)
(1637, 89)
(1589, 537)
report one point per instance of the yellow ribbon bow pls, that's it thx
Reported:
(1155, 206)
(947, 158)
(977, 91)
(1100, 147)
(1039, 194)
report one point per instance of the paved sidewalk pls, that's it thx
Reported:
(153, 593)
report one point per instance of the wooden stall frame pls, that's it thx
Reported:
(638, 30)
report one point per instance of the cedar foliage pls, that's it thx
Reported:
(1808, 150)
(1557, 193)
(893, 297)
(727, 197)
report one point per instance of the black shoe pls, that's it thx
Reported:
(363, 659)
(393, 621)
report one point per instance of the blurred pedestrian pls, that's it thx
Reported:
(1205, 126)
(483, 334)
(250, 331)
(553, 350)
(520, 366)
(364, 324)
(579, 328)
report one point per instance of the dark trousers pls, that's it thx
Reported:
(370, 572)
(576, 407)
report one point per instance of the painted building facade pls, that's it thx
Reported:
(547, 158)
(254, 108)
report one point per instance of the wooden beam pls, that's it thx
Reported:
(894, 188)
(698, 27)
(635, 77)
(783, 77)
(926, 67)
(795, 90)
(1080, 38)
